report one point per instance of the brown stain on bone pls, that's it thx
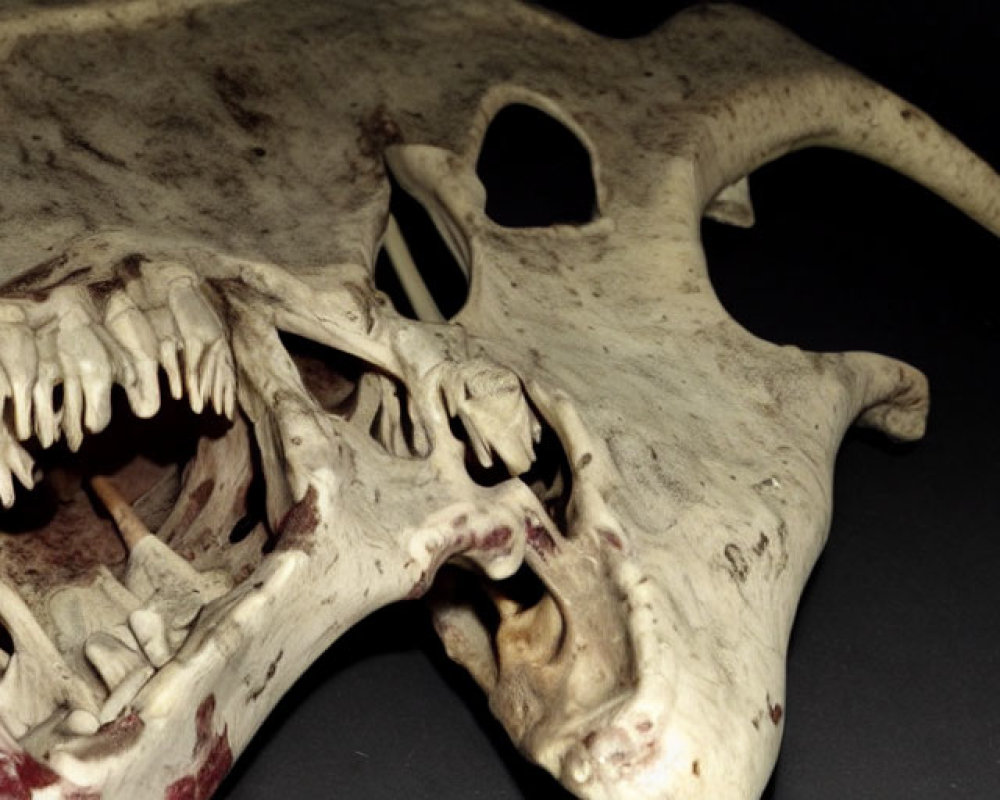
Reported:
(299, 524)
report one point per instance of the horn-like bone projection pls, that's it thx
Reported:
(221, 446)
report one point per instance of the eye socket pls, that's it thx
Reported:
(536, 171)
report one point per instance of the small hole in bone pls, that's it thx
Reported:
(536, 171)
(440, 272)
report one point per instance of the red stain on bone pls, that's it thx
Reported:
(212, 758)
(20, 774)
(539, 538)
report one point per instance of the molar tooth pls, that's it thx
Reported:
(20, 364)
(134, 334)
(47, 419)
(202, 336)
(87, 375)
(168, 347)
(113, 659)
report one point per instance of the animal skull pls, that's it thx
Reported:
(186, 180)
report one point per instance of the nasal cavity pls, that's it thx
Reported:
(536, 171)
(416, 267)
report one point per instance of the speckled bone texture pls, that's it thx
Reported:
(194, 194)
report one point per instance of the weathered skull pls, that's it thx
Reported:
(195, 195)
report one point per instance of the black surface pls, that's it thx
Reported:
(894, 673)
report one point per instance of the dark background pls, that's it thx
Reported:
(894, 671)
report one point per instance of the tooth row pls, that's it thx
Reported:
(162, 321)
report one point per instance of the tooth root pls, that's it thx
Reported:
(134, 334)
(20, 363)
(113, 660)
(124, 693)
(151, 633)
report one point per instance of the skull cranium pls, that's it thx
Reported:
(186, 218)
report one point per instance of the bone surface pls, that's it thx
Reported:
(629, 490)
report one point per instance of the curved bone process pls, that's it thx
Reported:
(195, 193)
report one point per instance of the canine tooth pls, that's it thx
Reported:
(113, 659)
(134, 334)
(20, 364)
(80, 723)
(202, 335)
(14, 462)
(151, 633)
(124, 693)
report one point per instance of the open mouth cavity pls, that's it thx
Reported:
(109, 556)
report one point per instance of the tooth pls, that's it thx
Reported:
(112, 659)
(37, 679)
(47, 376)
(124, 693)
(200, 332)
(14, 462)
(168, 345)
(150, 631)
(81, 723)
(130, 328)
(130, 526)
(224, 380)
(20, 363)
(87, 377)
(155, 571)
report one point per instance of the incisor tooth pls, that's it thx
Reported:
(20, 364)
(130, 328)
